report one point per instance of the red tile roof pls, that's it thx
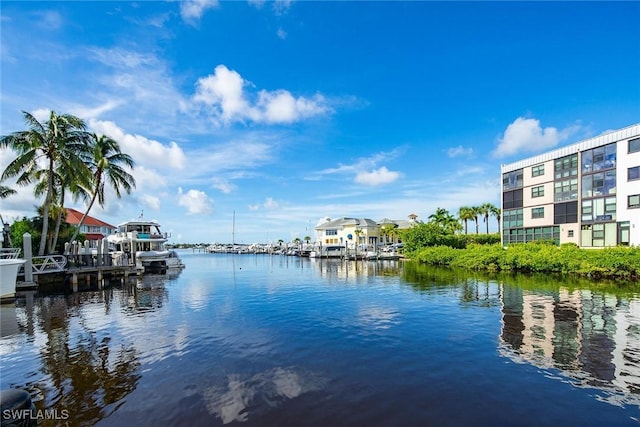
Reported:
(74, 217)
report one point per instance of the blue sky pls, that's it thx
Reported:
(287, 112)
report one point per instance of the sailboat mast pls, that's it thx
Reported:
(233, 231)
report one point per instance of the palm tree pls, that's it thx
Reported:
(386, 231)
(466, 214)
(485, 210)
(476, 212)
(64, 179)
(307, 239)
(106, 165)
(6, 192)
(497, 212)
(60, 141)
(444, 219)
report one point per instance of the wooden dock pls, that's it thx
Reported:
(79, 278)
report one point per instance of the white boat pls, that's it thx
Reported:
(141, 244)
(8, 275)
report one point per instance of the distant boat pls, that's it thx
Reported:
(141, 244)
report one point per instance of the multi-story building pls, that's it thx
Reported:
(587, 193)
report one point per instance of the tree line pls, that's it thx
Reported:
(454, 224)
(61, 158)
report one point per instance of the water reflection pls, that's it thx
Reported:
(334, 268)
(79, 370)
(242, 397)
(592, 336)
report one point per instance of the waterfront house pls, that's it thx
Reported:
(93, 228)
(587, 193)
(364, 232)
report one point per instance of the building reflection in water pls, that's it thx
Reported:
(593, 337)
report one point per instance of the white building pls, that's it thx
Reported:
(587, 193)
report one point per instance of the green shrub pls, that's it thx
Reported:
(538, 257)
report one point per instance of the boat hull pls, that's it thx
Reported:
(8, 276)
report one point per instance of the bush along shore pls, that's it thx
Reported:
(614, 262)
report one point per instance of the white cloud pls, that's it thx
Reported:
(281, 107)
(459, 151)
(151, 201)
(256, 3)
(282, 34)
(281, 6)
(377, 177)
(366, 169)
(269, 204)
(223, 92)
(526, 135)
(196, 202)
(145, 152)
(192, 10)
(223, 185)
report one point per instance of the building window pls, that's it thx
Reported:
(511, 180)
(512, 218)
(566, 167)
(599, 158)
(512, 199)
(537, 170)
(599, 184)
(623, 233)
(537, 191)
(331, 232)
(634, 145)
(633, 201)
(633, 173)
(565, 213)
(603, 209)
(537, 213)
(531, 234)
(569, 233)
(599, 235)
(565, 190)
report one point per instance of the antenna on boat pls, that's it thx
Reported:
(141, 214)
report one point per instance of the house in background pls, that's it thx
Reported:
(362, 231)
(390, 229)
(348, 231)
(94, 229)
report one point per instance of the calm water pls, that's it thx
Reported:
(274, 341)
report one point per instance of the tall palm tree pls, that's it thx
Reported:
(444, 219)
(497, 212)
(466, 214)
(61, 140)
(485, 210)
(476, 213)
(107, 165)
(65, 178)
